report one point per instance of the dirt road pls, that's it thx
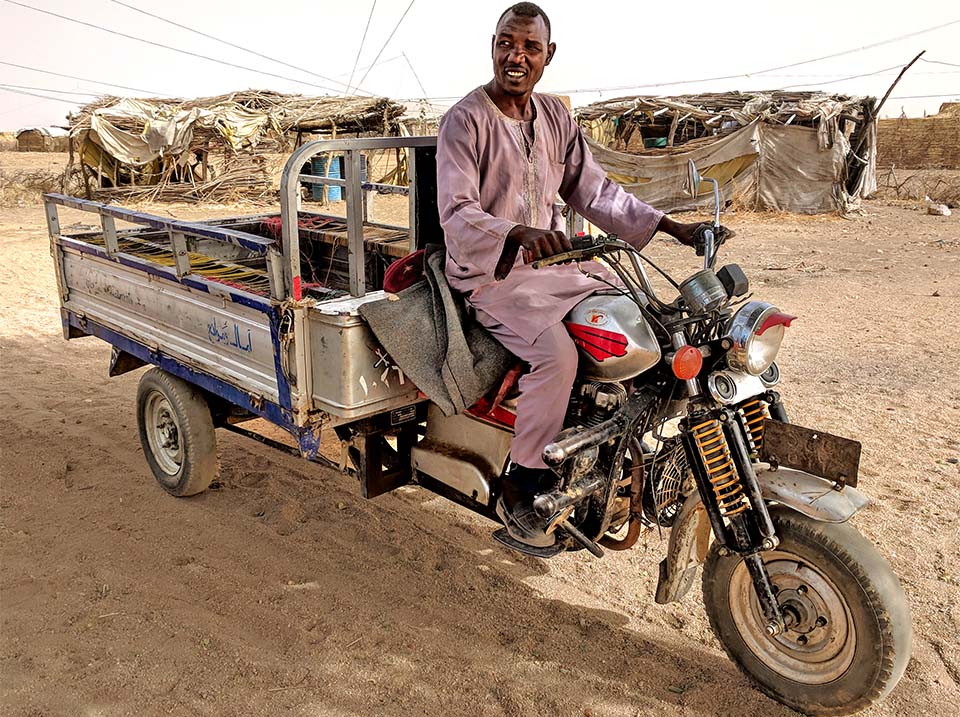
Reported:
(284, 592)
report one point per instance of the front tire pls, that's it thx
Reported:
(176, 433)
(850, 643)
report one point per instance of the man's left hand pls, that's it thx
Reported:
(690, 234)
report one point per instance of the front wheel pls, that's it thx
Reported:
(849, 641)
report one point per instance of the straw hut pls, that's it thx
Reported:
(34, 139)
(209, 147)
(805, 152)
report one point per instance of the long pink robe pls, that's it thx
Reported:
(486, 185)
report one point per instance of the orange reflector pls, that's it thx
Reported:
(687, 362)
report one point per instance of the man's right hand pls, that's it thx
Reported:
(535, 244)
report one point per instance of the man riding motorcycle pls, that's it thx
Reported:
(503, 156)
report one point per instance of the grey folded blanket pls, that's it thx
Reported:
(436, 342)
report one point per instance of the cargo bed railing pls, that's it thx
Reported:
(177, 230)
(354, 189)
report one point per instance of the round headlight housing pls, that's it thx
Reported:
(756, 331)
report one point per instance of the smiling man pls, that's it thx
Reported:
(504, 153)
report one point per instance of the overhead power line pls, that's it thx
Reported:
(299, 68)
(924, 97)
(169, 47)
(865, 47)
(392, 32)
(83, 79)
(843, 79)
(362, 40)
(758, 72)
(47, 89)
(940, 62)
(43, 97)
(415, 75)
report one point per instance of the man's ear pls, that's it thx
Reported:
(493, 44)
(551, 48)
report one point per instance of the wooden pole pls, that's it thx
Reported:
(876, 110)
(902, 73)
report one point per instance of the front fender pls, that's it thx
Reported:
(689, 542)
(690, 535)
(808, 494)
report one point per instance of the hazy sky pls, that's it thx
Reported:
(446, 44)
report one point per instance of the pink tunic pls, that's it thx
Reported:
(487, 184)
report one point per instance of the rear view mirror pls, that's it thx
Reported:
(692, 184)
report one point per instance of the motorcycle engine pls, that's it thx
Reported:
(598, 401)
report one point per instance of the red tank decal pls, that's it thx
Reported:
(598, 343)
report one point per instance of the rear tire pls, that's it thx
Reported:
(176, 433)
(851, 640)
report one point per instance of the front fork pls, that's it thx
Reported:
(715, 440)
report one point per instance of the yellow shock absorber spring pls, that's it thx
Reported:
(721, 471)
(754, 413)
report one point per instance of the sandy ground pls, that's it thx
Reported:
(284, 592)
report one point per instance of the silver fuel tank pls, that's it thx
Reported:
(614, 339)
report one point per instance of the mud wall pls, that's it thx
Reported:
(920, 143)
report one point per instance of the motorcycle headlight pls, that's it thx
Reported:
(756, 331)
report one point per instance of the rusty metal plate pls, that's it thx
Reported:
(822, 454)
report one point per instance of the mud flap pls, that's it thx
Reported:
(689, 542)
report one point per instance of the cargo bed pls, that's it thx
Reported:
(260, 312)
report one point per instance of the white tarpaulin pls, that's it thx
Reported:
(760, 166)
(167, 133)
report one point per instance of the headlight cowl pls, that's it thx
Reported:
(756, 331)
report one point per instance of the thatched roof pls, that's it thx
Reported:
(683, 119)
(288, 112)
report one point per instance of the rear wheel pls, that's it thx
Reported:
(848, 643)
(176, 433)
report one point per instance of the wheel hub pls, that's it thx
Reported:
(163, 433)
(818, 642)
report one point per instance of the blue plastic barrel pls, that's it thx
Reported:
(318, 166)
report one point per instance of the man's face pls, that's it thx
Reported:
(521, 49)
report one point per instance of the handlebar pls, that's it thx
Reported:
(585, 247)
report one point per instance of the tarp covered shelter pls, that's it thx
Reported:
(788, 151)
(207, 147)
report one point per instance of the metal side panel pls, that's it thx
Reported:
(352, 376)
(210, 332)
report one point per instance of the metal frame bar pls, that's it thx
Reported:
(176, 229)
(290, 199)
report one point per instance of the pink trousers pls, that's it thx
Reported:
(544, 390)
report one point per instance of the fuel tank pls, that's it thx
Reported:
(614, 339)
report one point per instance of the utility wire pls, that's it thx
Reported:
(415, 75)
(169, 47)
(865, 47)
(758, 72)
(83, 79)
(43, 97)
(226, 42)
(362, 40)
(843, 79)
(388, 40)
(382, 62)
(940, 62)
(924, 97)
(47, 89)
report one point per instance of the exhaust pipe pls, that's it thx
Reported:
(556, 453)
